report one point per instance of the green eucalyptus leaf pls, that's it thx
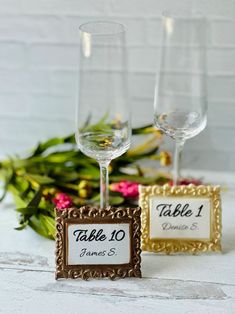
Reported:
(141, 130)
(49, 224)
(67, 177)
(104, 118)
(36, 199)
(42, 180)
(90, 170)
(101, 126)
(19, 201)
(29, 210)
(133, 178)
(148, 129)
(49, 210)
(22, 226)
(43, 146)
(4, 193)
(8, 178)
(142, 155)
(16, 195)
(70, 139)
(61, 157)
(116, 200)
(26, 191)
(36, 224)
(113, 199)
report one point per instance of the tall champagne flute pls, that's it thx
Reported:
(180, 105)
(103, 128)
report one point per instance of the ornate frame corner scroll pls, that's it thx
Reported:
(88, 214)
(174, 245)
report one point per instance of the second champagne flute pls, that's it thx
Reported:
(180, 95)
(103, 129)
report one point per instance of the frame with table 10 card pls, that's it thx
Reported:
(95, 243)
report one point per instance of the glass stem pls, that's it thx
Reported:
(104, 184)
(177, 160)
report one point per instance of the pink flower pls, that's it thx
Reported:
(62, 201)
(126, 188)
(186, 181)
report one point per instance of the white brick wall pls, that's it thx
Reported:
(38, 70)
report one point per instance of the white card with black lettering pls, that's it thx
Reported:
(98, 244)
(179, 218)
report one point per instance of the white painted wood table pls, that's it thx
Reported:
(170, 284)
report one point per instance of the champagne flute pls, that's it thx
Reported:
(180, 105)
(103, 128)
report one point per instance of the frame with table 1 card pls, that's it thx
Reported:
(180, 219)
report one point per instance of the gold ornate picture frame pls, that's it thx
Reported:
(96, 243)
(180, 218)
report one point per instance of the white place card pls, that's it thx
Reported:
(103, 244)
(179, 218)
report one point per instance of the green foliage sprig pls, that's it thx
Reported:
(56, 165)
